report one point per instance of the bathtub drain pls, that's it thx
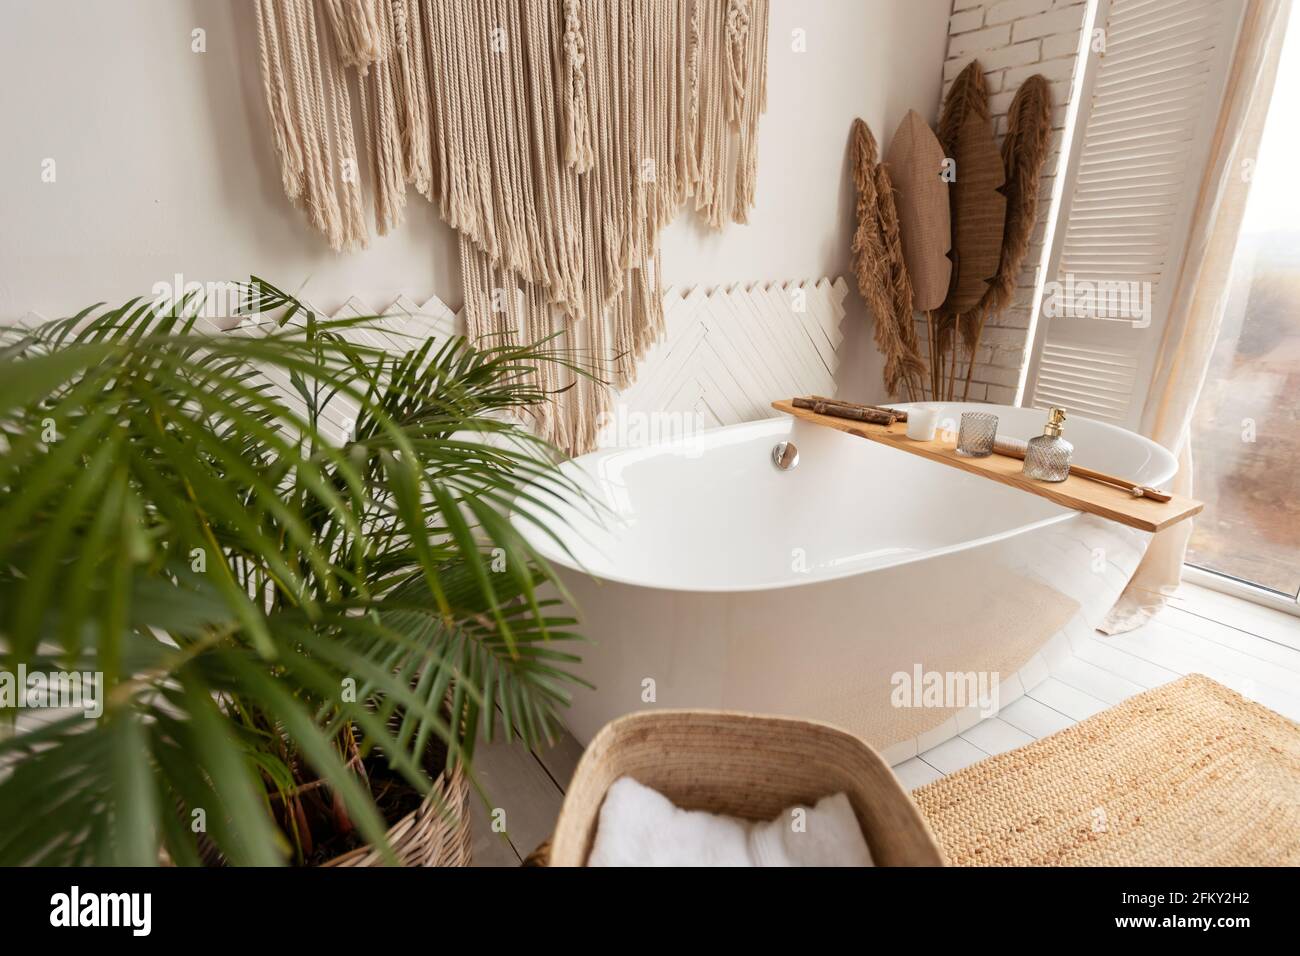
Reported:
(784, 455)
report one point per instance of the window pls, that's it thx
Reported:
(1246, 431)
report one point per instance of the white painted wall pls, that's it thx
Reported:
(164, 165)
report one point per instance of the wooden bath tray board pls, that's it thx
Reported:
(1082, 494)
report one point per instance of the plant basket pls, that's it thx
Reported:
(436, 833)
(743, 765)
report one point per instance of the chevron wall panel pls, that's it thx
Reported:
(727, 354)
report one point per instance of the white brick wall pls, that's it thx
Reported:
(1014, 39)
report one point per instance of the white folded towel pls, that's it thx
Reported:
(641, 827)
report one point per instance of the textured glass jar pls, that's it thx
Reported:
(1048, 458)
(978, 429)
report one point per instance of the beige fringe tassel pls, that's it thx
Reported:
(311, 119)
(577, 127)
(557, 138)
(355, 25)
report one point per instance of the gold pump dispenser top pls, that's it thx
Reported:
(1055, 418)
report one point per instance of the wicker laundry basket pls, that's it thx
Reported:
(743, 765)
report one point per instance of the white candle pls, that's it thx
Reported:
(921, 423)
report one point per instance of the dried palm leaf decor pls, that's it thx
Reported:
(967, 99)
(994, 209)
(968, 96)
(915, 165)
(978, 213)
(1024, 151)
(879, 265)
(556, 136)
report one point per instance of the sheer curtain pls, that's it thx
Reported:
(1200, 293)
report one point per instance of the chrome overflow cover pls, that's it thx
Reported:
(785, 455)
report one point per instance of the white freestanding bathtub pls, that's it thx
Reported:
(718, 580)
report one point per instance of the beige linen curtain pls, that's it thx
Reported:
(1200, 292)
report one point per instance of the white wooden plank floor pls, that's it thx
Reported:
(1252, 649)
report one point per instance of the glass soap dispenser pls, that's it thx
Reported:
(1048, 456)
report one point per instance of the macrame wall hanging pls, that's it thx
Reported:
(556, 136)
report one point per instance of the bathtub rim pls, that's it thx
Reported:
(550, 552)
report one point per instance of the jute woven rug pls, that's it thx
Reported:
(1188, 774)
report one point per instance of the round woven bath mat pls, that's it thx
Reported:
(1188, 774)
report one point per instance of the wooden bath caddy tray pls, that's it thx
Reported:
(1082, 494)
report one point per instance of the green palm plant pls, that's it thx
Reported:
(261, 606)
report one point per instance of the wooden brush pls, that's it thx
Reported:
(1017, 447)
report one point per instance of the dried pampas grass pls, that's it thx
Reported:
(867, 249)
(903, 364)
(877, 254)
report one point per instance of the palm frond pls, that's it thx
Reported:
(178, 516)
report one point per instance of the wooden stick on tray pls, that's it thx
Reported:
(859, 413)
(898, 413)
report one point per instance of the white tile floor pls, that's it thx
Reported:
(1254, 650)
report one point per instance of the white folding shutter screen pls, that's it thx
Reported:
(1150, 104)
